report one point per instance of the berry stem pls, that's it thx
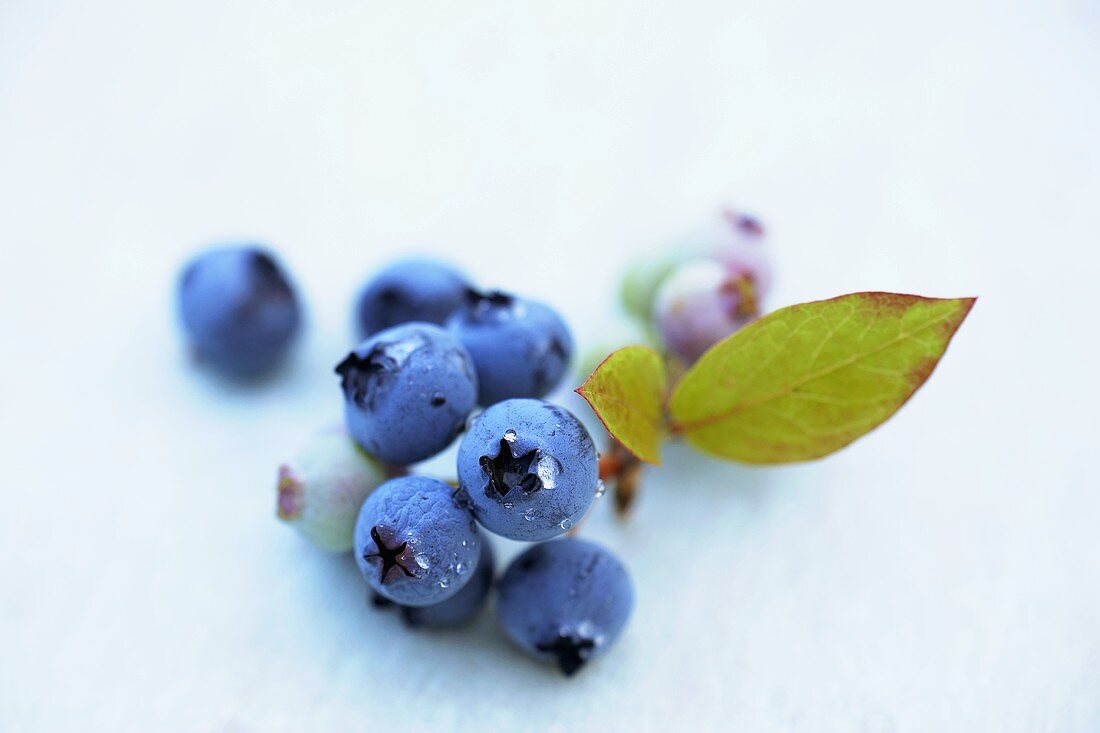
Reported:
(620, 467)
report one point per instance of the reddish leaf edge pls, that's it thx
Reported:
(580, 391)
(968, 305)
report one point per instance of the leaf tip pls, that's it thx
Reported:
(838, 407)
(603, 391)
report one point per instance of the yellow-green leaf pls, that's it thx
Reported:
(627, 393)
(807, 380)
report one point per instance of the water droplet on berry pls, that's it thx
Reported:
(510, 436)
(548, 470)
(601, 488)
(444, 583)
(508, 505)
(566, 523)
(529, 514)
(423, 562)
(460, 568)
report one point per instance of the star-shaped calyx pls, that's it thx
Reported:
(507, 471)
(273, 286)
(359, 373)
(482, 303)
(744, 224)
(364, 373)
(569, 650)
(397, 558)
(746, 301)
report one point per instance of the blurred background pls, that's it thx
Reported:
(940, 574)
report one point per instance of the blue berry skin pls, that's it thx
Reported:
(239, 310)
(530, 469)
(565, 601)
(409, 290)
(415, 542)
(463, 606)
(521, 347)
(407, 392)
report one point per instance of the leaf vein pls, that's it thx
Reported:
(836, 366)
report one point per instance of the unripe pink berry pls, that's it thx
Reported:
(700, 304)
(321, 490)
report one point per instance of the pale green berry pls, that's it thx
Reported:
(642, 279)
(320, 492)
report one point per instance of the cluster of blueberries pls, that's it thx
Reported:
(435, 352)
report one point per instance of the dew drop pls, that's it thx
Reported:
(460, 568)
(548, 470)
(510, 436)
(508, 505)
(423, 562)
(566, 523)
(444, 583)
(601, 488)
(529, 514)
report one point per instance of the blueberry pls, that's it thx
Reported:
(415, 542)
(521, 347)
(463, 606)
(407, 392)
(409, 290)
(529, 468)
(565, 601)
(239, 310)
(321, 490)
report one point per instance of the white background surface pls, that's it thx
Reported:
(939, 575)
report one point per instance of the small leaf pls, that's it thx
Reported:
(627, 393)
(807, 380)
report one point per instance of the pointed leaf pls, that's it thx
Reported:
(627, 393)
(807, 380)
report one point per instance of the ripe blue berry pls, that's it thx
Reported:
(322, 489)
(565, 601)
(463, 606)
(521, 347)
(407, 392)
(239, 310)
(415, 543)
(409, 290)
(530, 469)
